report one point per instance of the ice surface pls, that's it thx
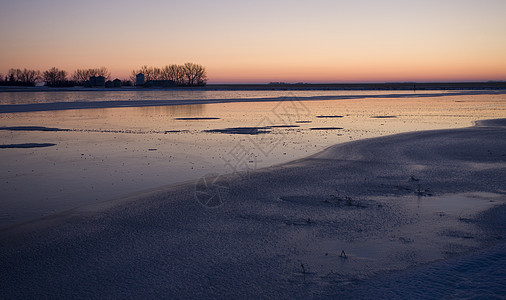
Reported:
(414, 220)
(104, 153)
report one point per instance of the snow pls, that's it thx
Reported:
(419, 215)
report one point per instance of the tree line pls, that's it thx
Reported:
(52, 77)
(81, 75)
(188, 74)
(25, 77)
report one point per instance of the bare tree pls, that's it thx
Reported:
(157, 74)
(178, 74)
(102, 71)
(24, 77)
(174, 73)
(29, 76)
(195, 74)
(145, 70)
(133, 76)
(148, 72)
(55, 77)
(81, 75)
(13, 75)
(189, 74)
(201, 75)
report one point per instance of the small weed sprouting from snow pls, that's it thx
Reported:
(413, 178)
(303, 271)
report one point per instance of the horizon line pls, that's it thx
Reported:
(357, 82)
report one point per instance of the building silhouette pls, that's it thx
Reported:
(95, 81)
(139, 79)
(116, 83)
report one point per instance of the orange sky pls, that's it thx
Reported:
(263, 41)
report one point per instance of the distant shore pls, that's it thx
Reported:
(368, 86)
(400, 86)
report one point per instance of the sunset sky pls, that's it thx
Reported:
(262, 41)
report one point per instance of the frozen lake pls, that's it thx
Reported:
(89, 155)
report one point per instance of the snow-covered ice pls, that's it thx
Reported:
(419, 215)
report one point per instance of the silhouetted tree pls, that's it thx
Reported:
(29, 77)
(133, 75)
(189, 70)
(195, 74)
(157, 74)
(201, 77)
(173, 72)
(55, 77)
(102, 71)
(23, 77)
(189, 74)
(13, 75)
(81, 75)
(148, 72)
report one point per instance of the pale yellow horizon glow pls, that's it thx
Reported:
(242, 42)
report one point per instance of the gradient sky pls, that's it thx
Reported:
(263, 41)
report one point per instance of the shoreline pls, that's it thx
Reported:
(368, 197)
(377, 86)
